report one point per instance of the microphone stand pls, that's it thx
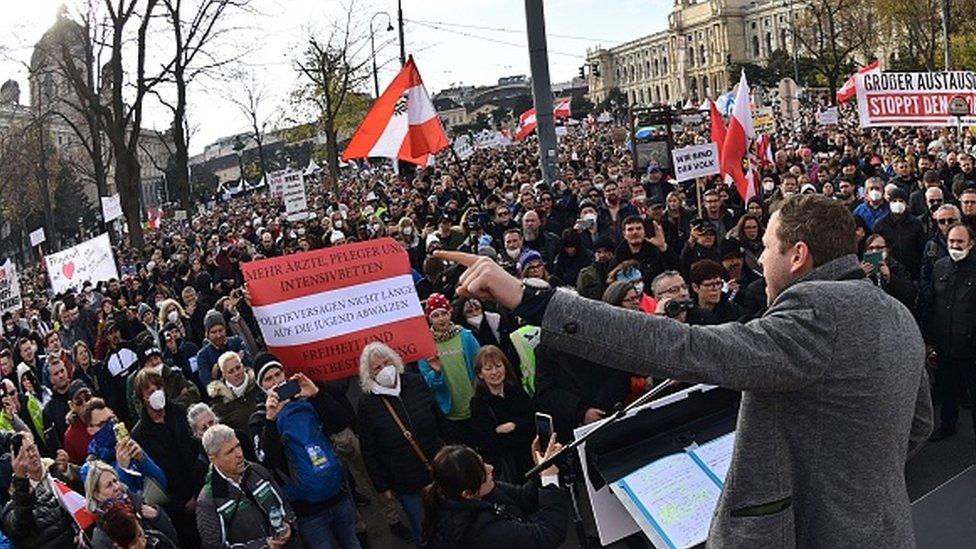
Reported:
(620, 413)
(571, 473)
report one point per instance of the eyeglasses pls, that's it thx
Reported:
(674, 289)
(947, 221)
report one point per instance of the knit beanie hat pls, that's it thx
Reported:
(213, 318)
(264, 362)
(436, 301)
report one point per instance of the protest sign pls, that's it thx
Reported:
(695, 161)
(913, 98)
(317, 310)
(764, 121)
(111, 208)
(37, 237)
(92, 260)
(462, 147)
(276, 182)
(829, 117)
(9, 288)
(293, 194)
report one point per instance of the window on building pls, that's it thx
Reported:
(657, 68)
(755, 46)
(753, 25)
(769, 43)
(693, 88)
(657, 94)
(701, 57)
(667, 93)
(782, 39)
(691, 55)
(641, 96)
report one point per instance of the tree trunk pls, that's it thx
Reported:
(182, 154)
(332, 155)
(127, 180)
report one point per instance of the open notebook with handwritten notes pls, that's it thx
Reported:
(673, 498)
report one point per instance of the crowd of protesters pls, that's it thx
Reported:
(154, 395)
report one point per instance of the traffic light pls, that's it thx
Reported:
(582, 72)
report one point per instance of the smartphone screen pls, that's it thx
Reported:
(874, 257)
(287, 390)
(543, 427)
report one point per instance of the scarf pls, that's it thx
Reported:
(441, 337)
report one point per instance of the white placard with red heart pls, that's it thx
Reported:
(92, 260)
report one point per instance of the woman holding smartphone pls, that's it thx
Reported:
(466, 507)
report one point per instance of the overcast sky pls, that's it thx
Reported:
(453, 41)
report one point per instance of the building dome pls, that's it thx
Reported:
(47, 82)
(10, 93)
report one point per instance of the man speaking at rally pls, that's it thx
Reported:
(834, 391)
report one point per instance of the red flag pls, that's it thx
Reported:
(74, 503)
(562, 109)
(526, 124)
(764, 149)
(401, 124)
(847, 91)
(718, 128)
(736, 144)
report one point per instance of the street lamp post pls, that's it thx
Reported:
(372, 46)
(403, 49)
(239, 150)
(796, 48)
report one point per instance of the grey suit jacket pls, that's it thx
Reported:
(834, 398)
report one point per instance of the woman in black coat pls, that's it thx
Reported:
(501, 416)
(465, 507)
(489, 327)
(395, 467)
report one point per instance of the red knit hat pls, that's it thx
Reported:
(436, 301)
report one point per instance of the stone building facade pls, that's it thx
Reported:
(689, 59)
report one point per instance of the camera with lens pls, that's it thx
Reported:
(676, 307)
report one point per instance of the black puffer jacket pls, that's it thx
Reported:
(390, 461)
(35, 518)
(526, 517)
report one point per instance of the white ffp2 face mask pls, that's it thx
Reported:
(874, 195)
(157, 400)
(958, 255)
(387, 377)
(898, 207)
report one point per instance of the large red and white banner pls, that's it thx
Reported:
(913, 98)
(317, 310)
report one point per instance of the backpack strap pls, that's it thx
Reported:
(409, 436)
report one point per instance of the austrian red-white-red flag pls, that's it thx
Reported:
(718, 128)
(847, 91)
(737, 137)
(526, 124)
(402, 123)
(562, 109)
(74, 503)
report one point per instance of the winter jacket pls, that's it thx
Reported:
(34, 517)
(905, 238)
(526, 517)
(208, 355)
(173, 448)
(592, 280)
(488, 411)
(228, 517)
(951, 313)
(566, 386)
(390, 460)
(176, 387)
(437, 381)
(234, 411)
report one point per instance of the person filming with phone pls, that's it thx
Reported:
(291, 431)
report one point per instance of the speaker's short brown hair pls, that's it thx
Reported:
(825, 225)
